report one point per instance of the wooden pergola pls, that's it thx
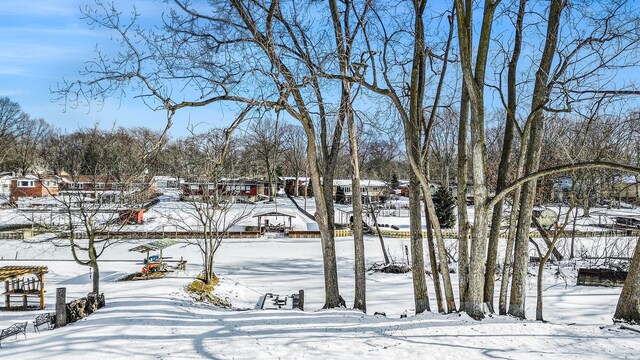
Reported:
(273, 214)
(18, 284)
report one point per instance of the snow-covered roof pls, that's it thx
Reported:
(301, 178)
(626, 179)
(36, 177)
(164, 178)
(274, 213)
(366, 183)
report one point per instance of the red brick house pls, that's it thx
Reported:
(237, 190)
(33, 186)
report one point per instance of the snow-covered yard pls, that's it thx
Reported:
(156, 319)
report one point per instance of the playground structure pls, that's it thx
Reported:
(156, 263)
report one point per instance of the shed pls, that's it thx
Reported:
(19, 283)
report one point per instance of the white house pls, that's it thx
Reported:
(5, 187)
(166, 182)
(5, 184)
(372, 190)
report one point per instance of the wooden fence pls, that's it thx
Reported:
(453, 234)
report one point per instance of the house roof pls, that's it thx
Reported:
(366, 183)
(164, 178)
(229, 182)
(36, 177)
(89, 179)
(274, 213)
(300, 178)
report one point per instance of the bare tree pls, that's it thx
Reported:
(293, 153)
(345, 34)
(11, 116)
(265, 138)
(94, 202)
(210, 212)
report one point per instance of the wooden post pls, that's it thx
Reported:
(301, 299)
(41, 276)
(7, 297)
(61, 307)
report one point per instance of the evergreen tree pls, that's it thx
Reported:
(394, 181)
(444, 203)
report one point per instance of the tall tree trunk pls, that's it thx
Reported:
(326, 156)
(539, 98)
(325, 223)
(434, 263)
(93, 261)
(513, 220)
(356, 191)
(474, 82)
(508, 257)
(505, 161)
(412, 134)
(343, 46)
(539, 315)
(628, 308)
(461, 198)
(420, 294)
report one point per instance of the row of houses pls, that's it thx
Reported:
(237, 190)
(14, 188)
(252, 190)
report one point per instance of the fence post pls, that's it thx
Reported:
(61, 307)
(301, 299)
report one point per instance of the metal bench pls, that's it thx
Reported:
(12, 330)
(48, 319)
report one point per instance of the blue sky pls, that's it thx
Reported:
(44, 41)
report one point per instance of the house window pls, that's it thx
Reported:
(99, 185)
(26, 183)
